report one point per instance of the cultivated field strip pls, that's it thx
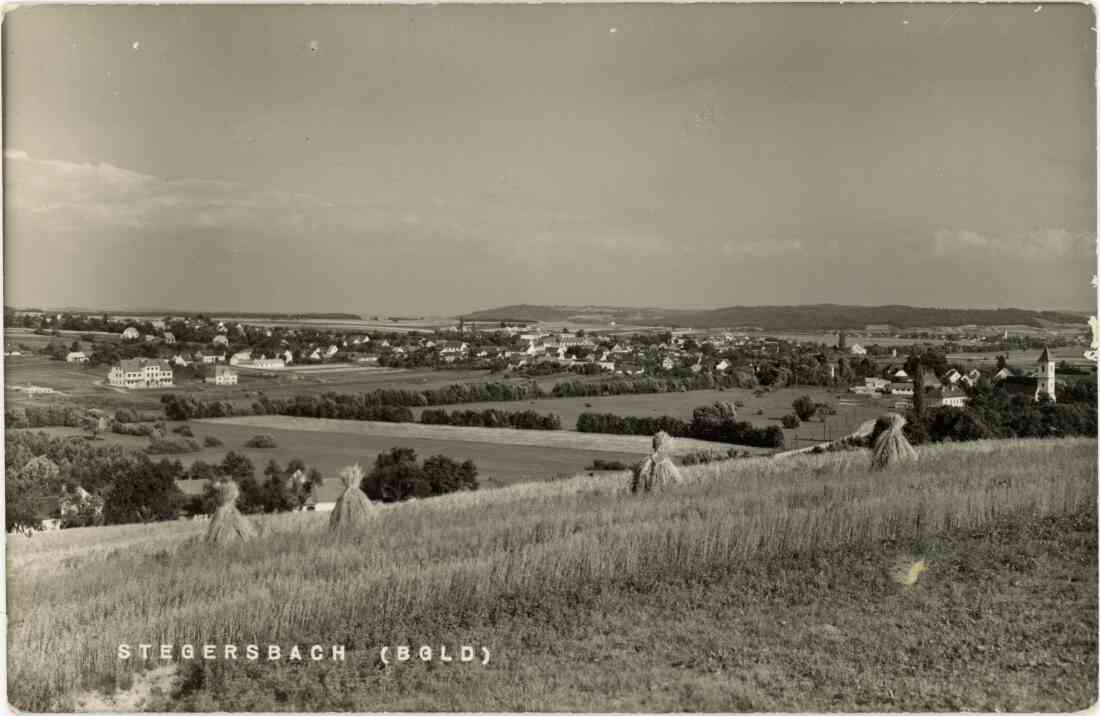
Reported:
(75, 595)
(493, 436)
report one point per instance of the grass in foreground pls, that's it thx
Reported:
(1005, 619)
(467, 567)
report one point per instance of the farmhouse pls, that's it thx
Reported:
(169, 337)
(221, 375)
(141, 373)
(857, 350)
(953, 398)
(972, 377)
(902, 388)
(76, 357)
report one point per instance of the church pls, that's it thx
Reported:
(1034, 385)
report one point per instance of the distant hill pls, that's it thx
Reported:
(773, 318)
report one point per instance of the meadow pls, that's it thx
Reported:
(329, 445)
(757, 585)
(763, 411)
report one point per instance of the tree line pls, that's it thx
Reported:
(83, 484)
(992, 412)
(492, 418)
(716, 423)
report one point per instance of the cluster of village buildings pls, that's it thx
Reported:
(513, 348)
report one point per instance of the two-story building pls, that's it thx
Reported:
(221, 375)
(140, 373)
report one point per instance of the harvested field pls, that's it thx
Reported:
(757, 585)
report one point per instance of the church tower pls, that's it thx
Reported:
(1046, 375)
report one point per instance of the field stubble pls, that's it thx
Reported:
(454, 561)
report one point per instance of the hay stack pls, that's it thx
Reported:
(228, 524)
(892, 447)
(353, 509)
(657, 471)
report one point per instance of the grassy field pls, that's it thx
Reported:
(852, 409)
(758, 585)
(330, 445)
(1026, 360)
(86, 385)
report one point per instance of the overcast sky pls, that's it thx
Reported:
(419, 159)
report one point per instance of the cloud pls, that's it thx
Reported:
(761, 248)
(104, 204)
(1038, 244)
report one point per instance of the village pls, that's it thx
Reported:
(172, 352)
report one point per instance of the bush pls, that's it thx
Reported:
(171, 446)
(804, 407)
(612, 424)
(211, 441)
(791, 421)
(707, 457)
(520, 420)
(598, 464)
(139, 429)
(262, 440)
(184, 430)
(398, 475)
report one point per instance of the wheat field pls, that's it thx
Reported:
(74, 595)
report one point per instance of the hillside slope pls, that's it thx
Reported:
(559, 577)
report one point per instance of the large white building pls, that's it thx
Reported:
(141, 373)
(221, 375)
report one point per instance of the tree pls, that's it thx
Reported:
(149, 493)
(791, 421)
(31, 494)
(708, 422)
(91, 425)
(396, 476)
(804, 407)
(239, 468)
(918, 390)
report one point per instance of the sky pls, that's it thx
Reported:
(432, 160)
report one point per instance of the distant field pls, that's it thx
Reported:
(321, 368)
(331, 445)
(425, 324)
(852, 409)
(1074, 355)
